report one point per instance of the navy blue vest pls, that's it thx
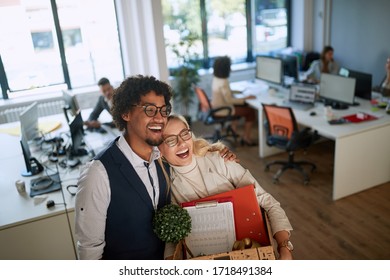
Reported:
(129, 231)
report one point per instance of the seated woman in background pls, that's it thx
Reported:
(385, 90)
(326, 64)
(196, 173)
(223, 96)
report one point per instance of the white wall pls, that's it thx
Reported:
(360, 35)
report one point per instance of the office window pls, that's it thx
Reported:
(271, 25)
(30, 55)
(240, 29)
(181, 20)
(33, 54)
(226, 29)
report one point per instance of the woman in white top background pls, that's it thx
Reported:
(223, 96)
(326, 64)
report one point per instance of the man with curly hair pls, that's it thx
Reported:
(122, 187)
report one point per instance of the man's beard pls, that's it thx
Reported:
(152, 142)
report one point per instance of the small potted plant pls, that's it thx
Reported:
(172, 224)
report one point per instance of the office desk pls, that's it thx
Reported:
(28, 229)
(362, 150)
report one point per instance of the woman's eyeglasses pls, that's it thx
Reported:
(172, 140)
(151, 110)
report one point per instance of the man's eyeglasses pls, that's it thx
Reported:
(151, 110)
(172, 140)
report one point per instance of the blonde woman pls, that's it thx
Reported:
(196, 173)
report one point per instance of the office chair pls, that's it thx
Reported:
(282, 132)
(209, 117)
(309, 58)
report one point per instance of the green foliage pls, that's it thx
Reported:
(186, 74)
(172, 223)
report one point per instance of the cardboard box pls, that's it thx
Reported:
(260, 253)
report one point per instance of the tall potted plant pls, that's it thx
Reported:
(186, 74)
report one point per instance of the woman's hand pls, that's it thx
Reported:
(228, 155)
(285, 254)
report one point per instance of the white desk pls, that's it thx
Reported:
(362, 150)
(28, 229)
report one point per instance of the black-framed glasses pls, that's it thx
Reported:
(172, 140)
(151, 110)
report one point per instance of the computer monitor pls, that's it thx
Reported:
(337, 91)
(269, 69)
(363, 86)
(29, 122)
(71, 105)
(33, 166)
(290, 67)
(77, 136)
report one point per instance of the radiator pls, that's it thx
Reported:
(44, 109)
(3, 118)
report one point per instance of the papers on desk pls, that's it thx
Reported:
(44, 127)
(213, 229)
(248, 87)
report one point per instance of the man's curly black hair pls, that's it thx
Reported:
(129, 93)
(221, 67)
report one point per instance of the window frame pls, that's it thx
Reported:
(59, 40)
(206, 61)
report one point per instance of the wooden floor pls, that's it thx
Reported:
(353, 228)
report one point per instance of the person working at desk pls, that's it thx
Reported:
(326, 64)
(386, 82)
(223, 96)
(122, 187)
(196, 174)
(385, 87)
(104, 103)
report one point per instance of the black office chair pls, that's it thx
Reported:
(283, 133)
(308, 59)
(209, 116)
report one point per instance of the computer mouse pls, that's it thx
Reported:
(313, 113)
(50, 203)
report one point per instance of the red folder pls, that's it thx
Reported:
(360, 117)
(248, 217)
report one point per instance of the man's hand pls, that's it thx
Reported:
(250, 97)
(228, 155)
(92, 124)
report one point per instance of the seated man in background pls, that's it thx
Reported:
(104, 103)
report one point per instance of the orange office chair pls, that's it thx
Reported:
(283, 133)
(209, 116)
